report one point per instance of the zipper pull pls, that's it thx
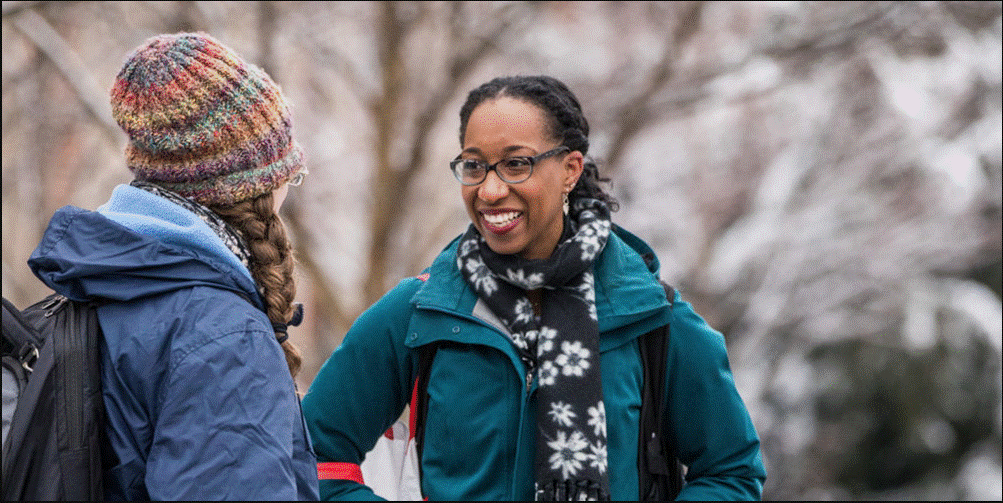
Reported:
(529, 380)
(53, 305)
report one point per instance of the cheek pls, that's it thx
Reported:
(468, 194)
(279, 196)
(545, 196)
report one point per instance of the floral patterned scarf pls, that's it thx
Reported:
(561, 346)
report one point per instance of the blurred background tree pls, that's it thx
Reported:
(822, 180)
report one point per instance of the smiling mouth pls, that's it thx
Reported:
(501, 222)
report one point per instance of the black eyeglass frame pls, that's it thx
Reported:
(533, 159)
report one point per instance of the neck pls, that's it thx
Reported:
(536, 300)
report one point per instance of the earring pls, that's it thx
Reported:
(565, 203)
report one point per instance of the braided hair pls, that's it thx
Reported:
(565, 123)
(271, 261)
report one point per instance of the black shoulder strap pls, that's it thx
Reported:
(81, 408)
(426, 353)
(658, 467)
(20, 339)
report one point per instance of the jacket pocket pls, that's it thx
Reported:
(471, 424)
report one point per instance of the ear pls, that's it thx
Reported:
(574, 164)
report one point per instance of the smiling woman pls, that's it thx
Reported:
(534, 314)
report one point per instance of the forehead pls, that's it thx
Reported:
(504, 122)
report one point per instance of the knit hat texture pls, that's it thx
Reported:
(202, 122)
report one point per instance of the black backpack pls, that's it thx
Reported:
(659, 470)
(52, 380)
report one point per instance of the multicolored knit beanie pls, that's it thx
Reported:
(202, 122)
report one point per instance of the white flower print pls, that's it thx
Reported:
(561, 413)
(574, 359)
(519, 340)
(548, 373)
(467, 246)
(530, 337)
(568, 455)
(531, 282)
(546, 342)
(590, 247)
(588, 292)
(598, 457)
(523, 311)
(597, 419)
(481, 276)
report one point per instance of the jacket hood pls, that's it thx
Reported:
(640, 247)
(86, 255)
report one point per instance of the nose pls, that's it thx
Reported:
(492, 189)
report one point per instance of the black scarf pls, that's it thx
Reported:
(561, 346)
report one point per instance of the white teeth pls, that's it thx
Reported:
(501, 218)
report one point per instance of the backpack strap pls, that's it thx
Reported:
(20, 340)
(658, 467)
(419, 398)
(80, 410)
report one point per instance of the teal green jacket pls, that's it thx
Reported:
(480, 427)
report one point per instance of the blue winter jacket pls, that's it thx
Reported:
(199, 399)
(480, 425)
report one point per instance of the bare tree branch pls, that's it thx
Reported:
(388, 182)
(346, 69)
(55, 47)
(333, 310)
(462, 63)
(394, 180)
(636, 113)
(267, 23)
(840, 35)
(14, 7)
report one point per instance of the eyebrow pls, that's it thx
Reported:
(506, 150)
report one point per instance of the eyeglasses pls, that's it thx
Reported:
(511, 170)
(297, 179)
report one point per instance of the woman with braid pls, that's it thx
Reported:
(194, 273)
(536, 311)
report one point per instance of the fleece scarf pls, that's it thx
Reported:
(560, 347)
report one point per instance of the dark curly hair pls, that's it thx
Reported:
(566, 123)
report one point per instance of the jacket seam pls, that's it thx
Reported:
(61, 234)
(204, 341)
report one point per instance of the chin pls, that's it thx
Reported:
(504, 248)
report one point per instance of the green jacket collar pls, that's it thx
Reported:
(627, 288)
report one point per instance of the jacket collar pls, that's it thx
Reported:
(627, 288)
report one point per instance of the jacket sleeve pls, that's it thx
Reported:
(714, 432)
(360, 391)
(226, 419)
